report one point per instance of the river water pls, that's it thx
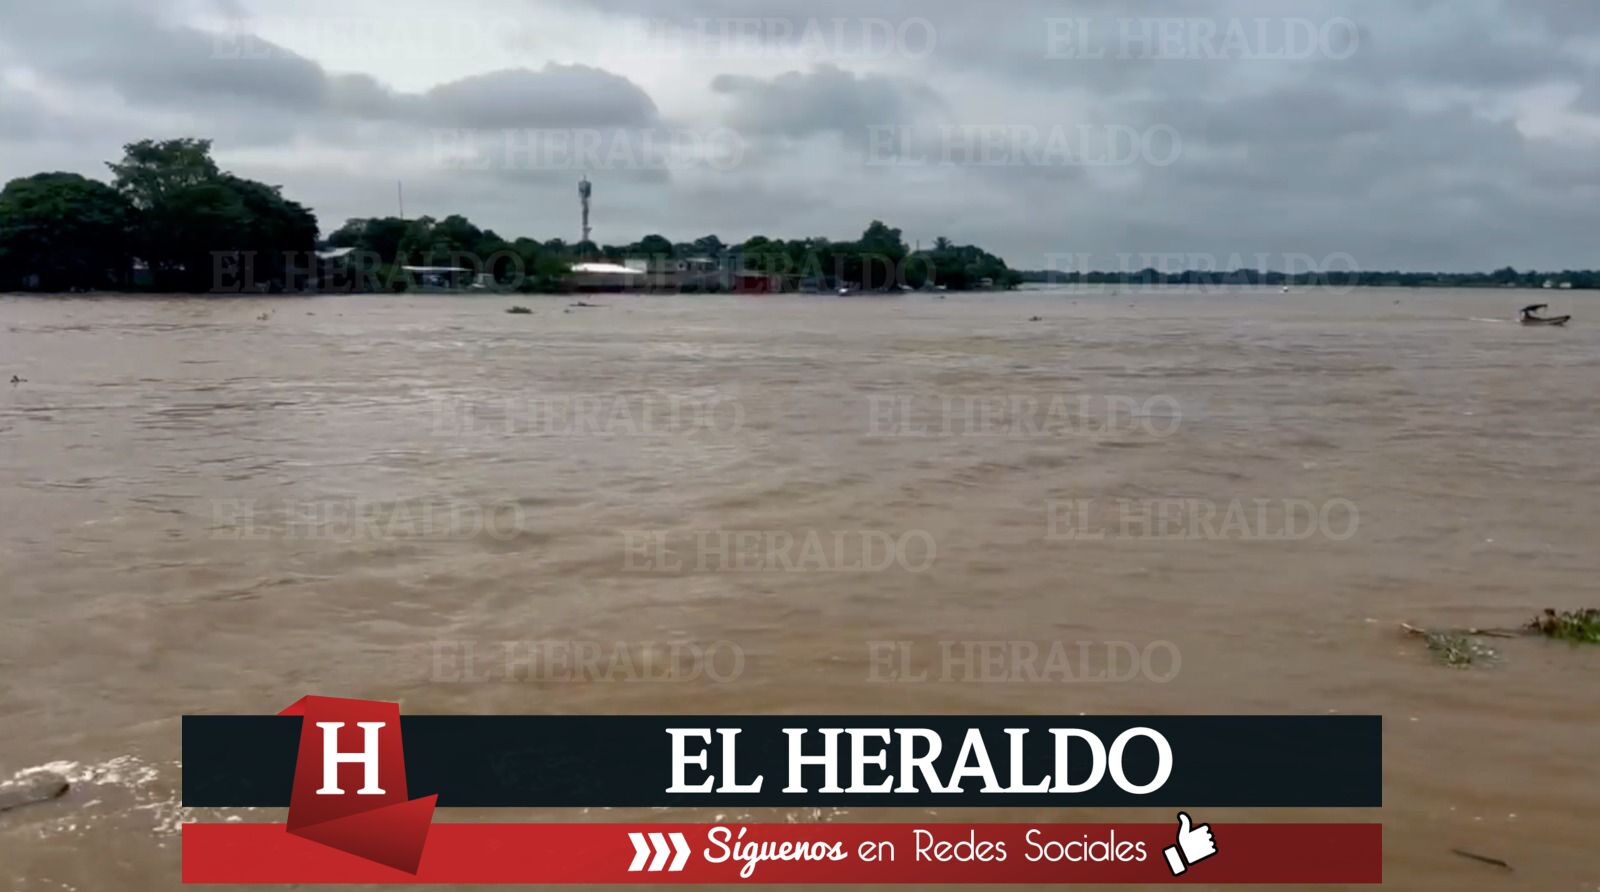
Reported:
(1145, 502)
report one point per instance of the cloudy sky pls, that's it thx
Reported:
(1414, 134)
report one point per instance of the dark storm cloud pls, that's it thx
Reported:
(1114, 45)
(90, 42)
(149, 63)
(1409, 133)
(1386, 130)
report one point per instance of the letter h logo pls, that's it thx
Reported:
(332, 759)
(378, 821)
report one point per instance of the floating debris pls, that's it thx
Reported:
(31, 789)
(520, 311)
(589, 305)
(1457, 649)
(1578, 626)
(1481, 858)
(121, 787)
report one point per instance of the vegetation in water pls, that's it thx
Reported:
(1462, 648)
(1581, 626)
(1457, 649)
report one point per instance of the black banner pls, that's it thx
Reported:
(634, 761)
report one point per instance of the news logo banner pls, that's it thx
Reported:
(362, 784)
(826, 761)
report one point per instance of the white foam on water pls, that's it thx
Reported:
(131, 775)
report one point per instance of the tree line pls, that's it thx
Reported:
(879, 260)
(171, 220)
(168, 205)
(1507, 277)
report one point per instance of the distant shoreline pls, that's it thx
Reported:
(1508, 278)
(1097, 288)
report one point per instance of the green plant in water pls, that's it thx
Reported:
(1459, 651)
(1580, 626)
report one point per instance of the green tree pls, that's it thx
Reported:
(280, 235)
(882, 239)
(152, 171)
(349, 235)
(69, 231)
(416, 243)
(877, 260)
(760, 254)
(710, 246)
(456, 233)
(198, 225)
(186, 233)
(654, 246)
(383, 237)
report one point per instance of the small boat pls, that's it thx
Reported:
(1530, 316)
(520, 311)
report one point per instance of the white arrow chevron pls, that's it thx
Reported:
(662, 851)
(658, 846)
(641, 851)
(682, 847)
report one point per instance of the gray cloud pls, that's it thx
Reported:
(145, 61)
(149, 63)
(826, 99)
(1440, 140)
(556, 96)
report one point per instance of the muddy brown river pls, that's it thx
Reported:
(1146, 502)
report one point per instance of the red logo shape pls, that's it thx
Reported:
(350, 783)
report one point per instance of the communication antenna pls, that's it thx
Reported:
(585, 189)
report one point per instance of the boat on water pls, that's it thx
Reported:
(1530, 316)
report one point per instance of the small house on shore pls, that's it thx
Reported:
(592, 277)
(439, 278)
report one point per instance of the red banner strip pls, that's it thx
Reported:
(720, 854)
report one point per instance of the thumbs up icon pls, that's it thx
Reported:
(1194, 845)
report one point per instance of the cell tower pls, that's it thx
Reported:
(584, 191)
